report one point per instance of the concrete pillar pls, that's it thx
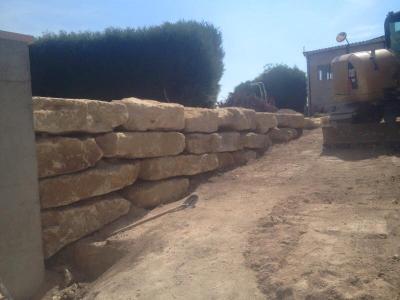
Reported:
(21, 258)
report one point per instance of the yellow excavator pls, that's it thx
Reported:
(366, 92)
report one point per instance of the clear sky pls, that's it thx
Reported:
(255, 32)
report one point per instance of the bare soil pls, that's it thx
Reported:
(298, 223)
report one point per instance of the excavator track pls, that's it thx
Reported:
(348, 134)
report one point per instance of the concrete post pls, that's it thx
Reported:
(21, 258)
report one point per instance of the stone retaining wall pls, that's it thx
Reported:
(97, 160)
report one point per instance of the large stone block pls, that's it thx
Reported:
(152, 115)
(230, 141)
(141, 144)
(103, 179)
(244, 156)
(91, 257)
(201, 120)
(149, 194)
(62, 155)
(70, 223)
(55, 115)
(312, 123)
(231, 159)
(253, 140)
(290, 120)
(265, 121)
(173, 166)
(225, 160)
(234, 118)
(198, 143)
(282, 135)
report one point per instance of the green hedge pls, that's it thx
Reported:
(177, 62)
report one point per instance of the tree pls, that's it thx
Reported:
(285, 85)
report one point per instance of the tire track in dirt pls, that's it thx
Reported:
(336, 234)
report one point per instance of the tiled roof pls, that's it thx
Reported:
(16, 36)
(379, 39)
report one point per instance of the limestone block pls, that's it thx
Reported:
(287, 111)
(181, 165)
(55, 115)
(198, 143)
(325, 121)
(244, 156)
(265, 121)
(282, 135)
(62, 155)
(70, 188)
(253, 140)
(235, 158)
(299, 132)
(230, 141)
(153, 115)
(70, 223)
(312, 123)
(141, 144)
(268, 142)
(201, 120)
(251, 117)
(225, 160)
(234, 118)
(149, 194)
(91, 257)
(290, 120)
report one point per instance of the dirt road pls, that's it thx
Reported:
(295, 224)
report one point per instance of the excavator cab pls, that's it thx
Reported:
(392, 32)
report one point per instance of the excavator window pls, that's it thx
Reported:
(392, 31)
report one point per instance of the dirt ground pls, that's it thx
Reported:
(297, 223)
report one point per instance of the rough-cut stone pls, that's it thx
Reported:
(63, 226)
(287, 111)
(253, 140)
(244, 156)
(104, 178)
(62, 155)
(265, 121)
(201, 120)
(152, 115)
(198, 143)
(91, 257)
(312, 123)
(282, 135)
(325, 121)
(230, 141)
(225, 160)
(55, 115)
(290, 120)
(234, 118)
(268, 142)
(141, 144)
(181, 165)
(231, 159)
(251, 118)
(151, 194)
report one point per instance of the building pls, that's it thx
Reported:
(319, 71)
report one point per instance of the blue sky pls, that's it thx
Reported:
(255, 32)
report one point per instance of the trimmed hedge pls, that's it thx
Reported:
(178, 62)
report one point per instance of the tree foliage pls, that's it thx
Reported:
(178, 62)
(286, 88)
